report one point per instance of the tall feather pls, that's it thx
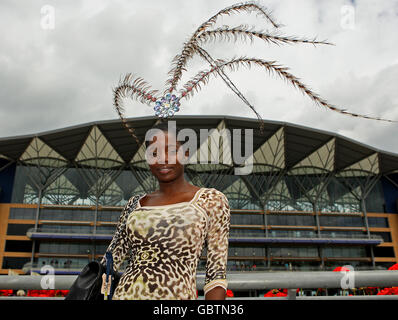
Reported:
(138, 89)
(135, 88)
(272, 68)
(179, 62)
(243, 32)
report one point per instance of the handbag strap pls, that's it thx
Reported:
(109, 272)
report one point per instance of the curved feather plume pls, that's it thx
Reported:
(243, 32)
(135, 89)
(272, 68)
(237, 8)
(179, 62)
(138, 89)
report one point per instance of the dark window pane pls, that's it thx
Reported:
(246, 219)
(341, 221)
(18, 229)
(378, 222)
(346, 252)
(14, 263)
(385, 235)
(384, 252)
(22, 213)
(18, 246)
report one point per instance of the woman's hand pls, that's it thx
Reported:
(217, 293)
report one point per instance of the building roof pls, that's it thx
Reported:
(294, 144)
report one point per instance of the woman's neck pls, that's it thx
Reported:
(172, 187)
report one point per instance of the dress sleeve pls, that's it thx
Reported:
(218, 210)
(121, 243)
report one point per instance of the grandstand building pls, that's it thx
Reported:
(314, 200)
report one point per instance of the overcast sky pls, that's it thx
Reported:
(62, 74)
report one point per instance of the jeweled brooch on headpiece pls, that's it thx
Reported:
(168, 104)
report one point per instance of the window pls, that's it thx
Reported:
(341, 221)
(343, 234)
(292, 233)
(385, 235)
(384, 252)
(293, 252)
(307, 252)
(345, 252)
(104, 216)
(67, 248)
(18, 229)
(63, 263)
(18, 246)
(291, 220)
(106, 229)
(247, 219)
(14, 263)
(66, 214)
(378, 222)
(23, 213)
(67, 229)
(234, 232)
(236, 251)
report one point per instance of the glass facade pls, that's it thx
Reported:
(341, 221)
(291, 220)
(292, 233)
(300, 194)
(294, 252)
(117, 192)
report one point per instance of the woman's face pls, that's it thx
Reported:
(163, 158)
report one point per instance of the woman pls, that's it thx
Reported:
(163, 233)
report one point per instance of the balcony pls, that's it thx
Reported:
(249, 237)
(322, 239)
(74, 268)
(54, 233)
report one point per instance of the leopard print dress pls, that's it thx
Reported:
(163, 245)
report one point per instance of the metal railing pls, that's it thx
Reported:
(75, 268)
(245, 282)
(237, 235)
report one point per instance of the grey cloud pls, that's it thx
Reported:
(62, 77)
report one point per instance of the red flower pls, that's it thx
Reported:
(32, 293)
(276, 293)
(61, 293)
(389, 291)
(393, 267)
(5, 292)
(269, 294)
(230, 293)
(47, 293)
(341, 269)
(383, 292)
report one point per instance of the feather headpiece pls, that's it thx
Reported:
(169, 102)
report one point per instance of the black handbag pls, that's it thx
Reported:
(88, 284)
